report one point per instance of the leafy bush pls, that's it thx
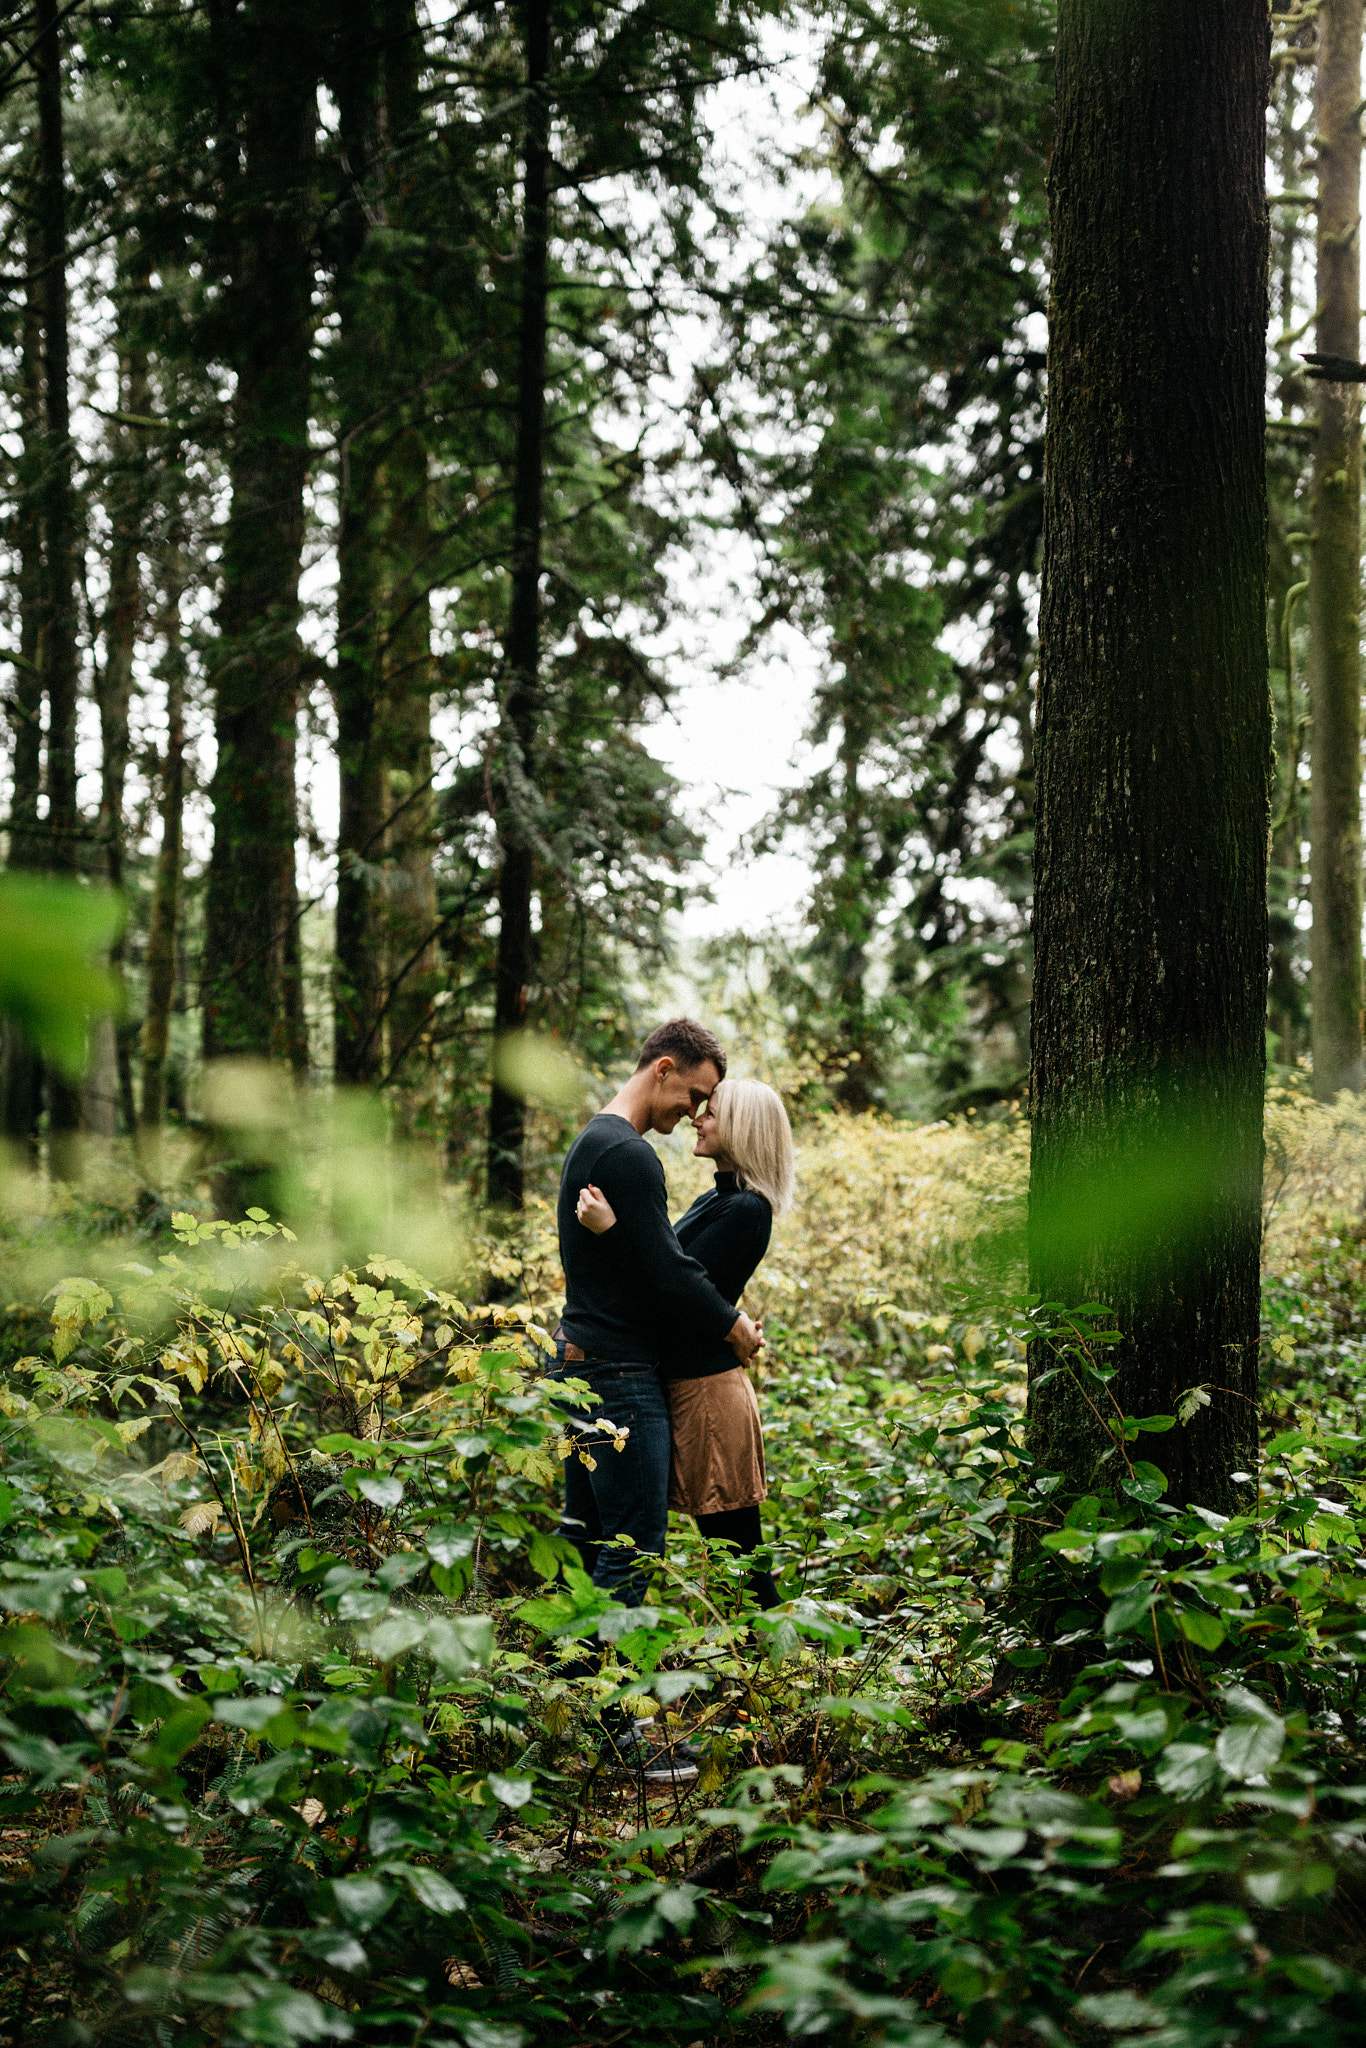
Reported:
(293, 1753)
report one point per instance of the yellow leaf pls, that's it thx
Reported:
(202, 1517)
(179, 1465)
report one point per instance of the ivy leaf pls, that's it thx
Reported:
(1148, 1484)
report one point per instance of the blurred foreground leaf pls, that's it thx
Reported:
(51, 933)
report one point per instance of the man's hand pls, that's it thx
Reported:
(745, 1338)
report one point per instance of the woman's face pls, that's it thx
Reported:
(708, 1145)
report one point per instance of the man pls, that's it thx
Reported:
(617, 1296)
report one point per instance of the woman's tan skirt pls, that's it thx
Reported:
(718, 1445)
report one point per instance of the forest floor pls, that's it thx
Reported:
(292, 1757)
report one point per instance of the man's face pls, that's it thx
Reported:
(679, 1093)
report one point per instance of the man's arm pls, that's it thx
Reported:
(633, 1181)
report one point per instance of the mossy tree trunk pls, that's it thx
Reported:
(1335, 568)
(1153, 738)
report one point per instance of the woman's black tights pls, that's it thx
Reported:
(740, 1526)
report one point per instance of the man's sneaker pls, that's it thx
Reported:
(627, 1749)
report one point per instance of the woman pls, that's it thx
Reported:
(717, 1464)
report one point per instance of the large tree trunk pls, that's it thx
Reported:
(1154, 736)
(1335, 569)
(61, 668)
(521, 696)
(250, 986)
(410, 921)
(23, 1071)
(363, 376)
(128, 503)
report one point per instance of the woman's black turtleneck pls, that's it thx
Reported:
(727, 1231)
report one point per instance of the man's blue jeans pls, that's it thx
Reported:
(627, 1494)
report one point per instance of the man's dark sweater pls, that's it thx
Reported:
(617, 1297)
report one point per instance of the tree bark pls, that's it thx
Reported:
(1335, 569)
(410, 906)
(250, 987)
(410, 902)
(23, 1071)
(1154, 737)
(161, 937)
(128, 504)
(386, 896)
(517, 726)
(61, 668)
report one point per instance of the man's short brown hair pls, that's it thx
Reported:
(687, 1044)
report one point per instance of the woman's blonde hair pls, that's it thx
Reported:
(752, 1129)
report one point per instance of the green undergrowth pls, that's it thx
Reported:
(291, 1755)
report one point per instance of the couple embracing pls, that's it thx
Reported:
(651, 1321)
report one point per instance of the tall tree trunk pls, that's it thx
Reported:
(853, 915)
(61, 670)
(250, 987)
(1286, 1009)
(161, 937)
(1153, 739)
(129, 499)
(1335, 569)
(386, 896)
(521, 696)
(411, 961)
(410, 907)
(23, 1071)
(358, 982)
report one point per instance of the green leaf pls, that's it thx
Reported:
(385, 1489)
(1249, 1749)
(448, 1545)
(395, 1637)
(429, 1887)
(513, 1792)
(1200, 1628)
(358, 1604)
(1148, 1484)
(460, 1643)
(362, 1901)
(1187, 1770)
(1155, 1425)
(1131, 1608)
(1119, 1574)
(180, 1730)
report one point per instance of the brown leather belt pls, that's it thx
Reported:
(574, 1354)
